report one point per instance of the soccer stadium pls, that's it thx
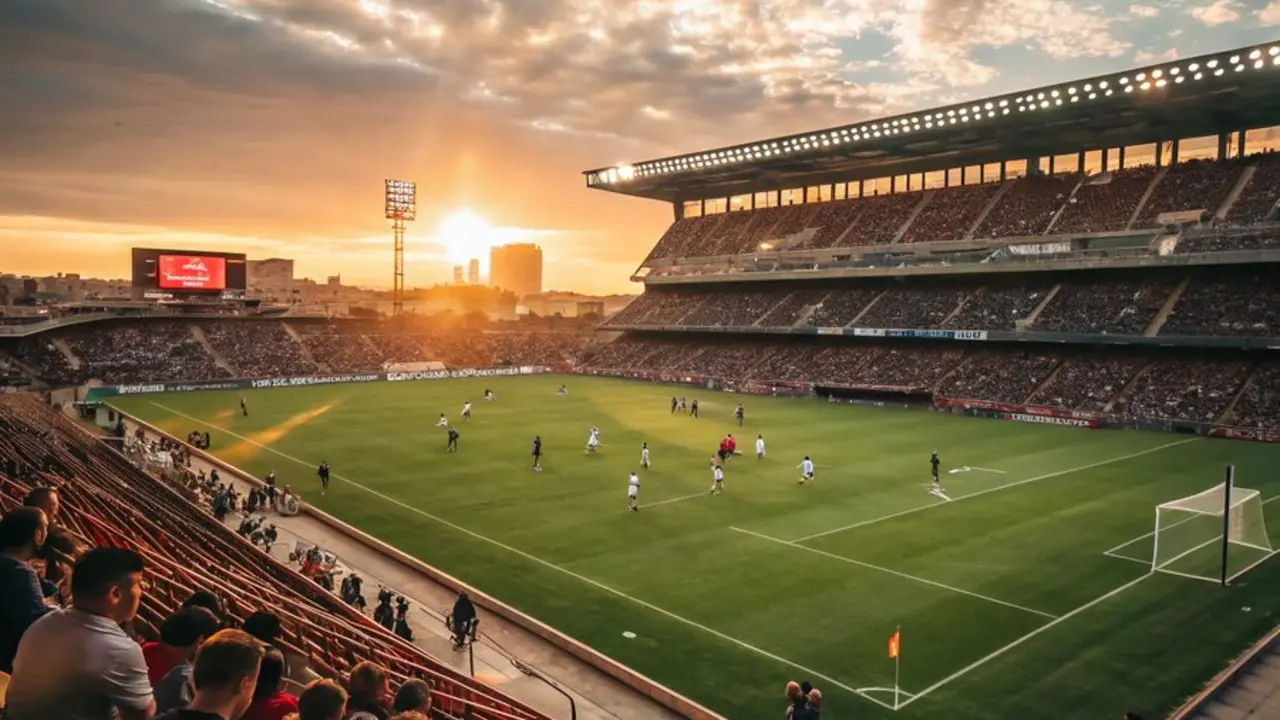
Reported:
(970, 412)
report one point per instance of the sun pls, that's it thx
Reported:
(465, 235)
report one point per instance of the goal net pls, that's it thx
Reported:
(1189, 534)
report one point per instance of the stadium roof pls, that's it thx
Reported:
(1205, 95)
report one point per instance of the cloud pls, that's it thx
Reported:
(1270, 14)
(1143, 11)
(1146, 58)
(1220, 12)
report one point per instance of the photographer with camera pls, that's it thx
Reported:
(462, 622)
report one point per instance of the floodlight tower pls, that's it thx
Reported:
(401, 208)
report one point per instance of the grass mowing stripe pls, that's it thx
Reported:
(540, 561)
(1024, 481)
(997, 653)
(903, 575)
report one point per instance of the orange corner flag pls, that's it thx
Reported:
(894, 641)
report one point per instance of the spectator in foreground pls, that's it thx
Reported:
(269, 701)
(413, 697)
(205, 599)
(78, 664)
(368, 690)
(46, 498)
(22, 534)
(411, 715)
(265, 626)
(225, 675)
(180, 636)
(322, 700)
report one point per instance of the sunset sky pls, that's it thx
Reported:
(268, 126)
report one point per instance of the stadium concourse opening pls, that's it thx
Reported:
(1118, 271)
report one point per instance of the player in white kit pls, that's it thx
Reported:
(466, 411)
(759, 447)
(806, 471)
(443, 422)
(633, 493)
(717, 486)
(593, 441)
(644, 455)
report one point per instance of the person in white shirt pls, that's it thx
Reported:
(644, 455)
(488, 395)
(717, 485)
(759, 447)
(633, 493)
(806, 471)
(593, 441)
(466, 411)
(443, 421)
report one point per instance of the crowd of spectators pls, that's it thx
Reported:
(830, 222)
(790, 309)
(1105, 202)
(1184, 389)
(1190, 185)
(1243, 305)
(1258, 404)
(1088, 383)
(333, 346)
(731, 308)
(258, 348)
(1027, 206)
(1259, 238)
(999, 307)
(1115, 307)
(1258, 199)
(918, 307)
(684, 232)
(840, 307)
(136, 352)
(880, 218)
(950, 214)
(1001, 376)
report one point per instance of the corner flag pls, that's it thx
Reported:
(894, 641)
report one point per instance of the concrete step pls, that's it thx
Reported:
(1221, 711)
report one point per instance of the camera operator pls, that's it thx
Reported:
(382, 613)
(462, 622)
(402, 619)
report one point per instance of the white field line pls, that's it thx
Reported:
(1016, 483)
(1126, 557)
(682, 498)
(1253, 565)
(540, 561)
(903, 575)
(984, 660)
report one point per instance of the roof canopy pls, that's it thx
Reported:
(1206, 95)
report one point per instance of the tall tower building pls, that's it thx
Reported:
(517, 268)
(473, 271)
(457, 274)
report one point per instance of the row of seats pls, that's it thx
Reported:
(1217, 302)
(1027, 206)
(1124, 383)
(108, 502)
(157, 350)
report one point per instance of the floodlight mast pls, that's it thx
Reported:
(401, 208)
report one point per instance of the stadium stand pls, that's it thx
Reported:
(1118, 307)
(1185, 389)
(108, 502)
(1105, 202)
(1028, 206)
(1257, 201)
(1237, 305)
(1191, 185)
(950, 213)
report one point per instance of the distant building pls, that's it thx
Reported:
(457, 275)
(473, 272)
(568, 304)
(271, 280)
(516, 268)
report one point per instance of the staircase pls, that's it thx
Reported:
(1040, 388)
(1229, 414)
(303, 350)
(1254, 693)
(72, 359)
(1128, 388)
(1241, 183)
(197, 333)
(1030, 320)
(1065, 204)
(1155, 181)
(968, 358)
(866, 309)
(1004, 188)
(927, 197)
(960, 306)
(1167, 309)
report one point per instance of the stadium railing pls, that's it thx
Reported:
(1223, 681)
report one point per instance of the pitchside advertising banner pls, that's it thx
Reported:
(1022, 413)
(98, 393)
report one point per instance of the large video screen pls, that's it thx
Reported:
(191, 272)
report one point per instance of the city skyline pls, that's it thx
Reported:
(268, 127)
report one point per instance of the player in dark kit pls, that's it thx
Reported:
(244, 407)
(323, 472)
(452, 446)
(934, 462)
(693, 408)
(738, 414)
(537, 452)
(674, 403)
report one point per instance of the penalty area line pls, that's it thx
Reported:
(1005, 486)
(545, 563)
(675, 500)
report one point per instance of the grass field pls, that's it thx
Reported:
(1008, 605)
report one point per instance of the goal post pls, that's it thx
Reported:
(1216, 535)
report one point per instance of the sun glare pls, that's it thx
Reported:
(465, 235)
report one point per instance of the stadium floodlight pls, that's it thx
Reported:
(401, 207)
(1216, 535)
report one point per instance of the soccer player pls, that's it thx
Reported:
(452, 446)
(717, 484)
(733, 445)
(760, 447)
(739, 413)
(537, 453)
(593, 441)
(323, 472)
(693, 408)
(722, 452)
(633, 492)
(466, 411)
(934, 462)
(488, 395)
(244, 406)
(564, 390)
(443, 421)
(674, 403)
(806, 471)
(644, 455)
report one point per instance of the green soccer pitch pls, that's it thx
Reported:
(1024, 594)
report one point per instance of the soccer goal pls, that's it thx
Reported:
(1216, 535)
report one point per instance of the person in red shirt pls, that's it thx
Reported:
(180, 636)
(269, 702)
(733, 444)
